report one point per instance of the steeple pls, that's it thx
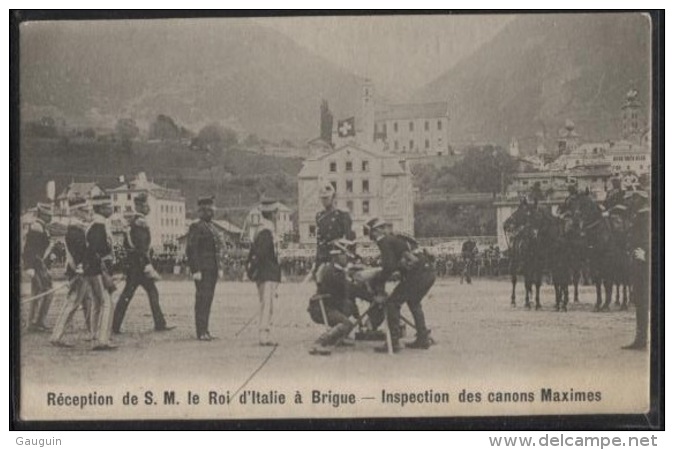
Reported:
(631, 116)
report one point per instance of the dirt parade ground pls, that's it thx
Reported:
(545, 361)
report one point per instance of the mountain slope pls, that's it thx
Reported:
(196, 71)
(542, 69)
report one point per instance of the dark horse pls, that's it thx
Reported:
(603, 246)
(532, 230)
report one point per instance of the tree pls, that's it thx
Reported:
(127, 129)
(164, 129)
(484, 169)
(214, 138)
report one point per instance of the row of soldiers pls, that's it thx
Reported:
(89, 267)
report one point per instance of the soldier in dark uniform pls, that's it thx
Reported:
(203, 250)
(571, 200)
(615, 195)
(98, 262)
(401, 254)
(139, 270)
(76, 247)
(331, 224)
(35, 253)
(468, 253)
(639, 244)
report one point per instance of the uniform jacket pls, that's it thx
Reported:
(99, 247)
(331, 225)
(395, 251)
(37, 243)
(202, 247)
(76, 246)
(137, 241)
(264, 256)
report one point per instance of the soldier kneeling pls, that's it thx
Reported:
(332, 304)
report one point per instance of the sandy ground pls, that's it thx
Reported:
(483, 345)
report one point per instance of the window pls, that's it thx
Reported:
(395, 145)
(117, 209)
(427, 144)
(334, 185)
(383, 128)
(395, 127)
(333, 166)
(411, 144)
(128, 196)
(312, 231)
(411, 126)
(525, 182)
(366, 166)
(439, 125)
(366, 186)
(349, 166)
(349, 205)
(349, 186)
(114, 197)
(128, 208)
(427, 125)
(366, 207)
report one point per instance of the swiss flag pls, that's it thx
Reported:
(346, 127)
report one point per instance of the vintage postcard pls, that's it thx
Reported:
(336, 216)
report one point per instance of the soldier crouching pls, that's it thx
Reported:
(400, 253)
(332, 305)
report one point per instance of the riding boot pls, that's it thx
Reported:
(422, 341)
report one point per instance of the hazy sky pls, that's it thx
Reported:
(399, 53)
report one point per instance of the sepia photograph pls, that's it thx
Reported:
(336, 217)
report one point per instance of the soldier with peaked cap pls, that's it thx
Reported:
(331, 224)
(76, 247)
(263, 267)
(139, 270)
(203, 249)
(98, 260)
(639, 246)
(35, 252)
(401, 254)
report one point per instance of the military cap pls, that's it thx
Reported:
(140, 199)
(268, 204)
(77, 202)
(375, 223)
(101, 200)
(206, 201)
(327, 190)
(45, 208)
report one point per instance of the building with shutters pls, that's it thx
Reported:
(167, 208)
(368, 183)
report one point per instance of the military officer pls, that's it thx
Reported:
(98, 260)
(639, 244)
(203, 249)
(572, 199)
(139, 270)
(401, 254)
(35, 252)
(76, 246)
(331, 224)
(615, 195)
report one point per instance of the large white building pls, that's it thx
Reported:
(167, 208)
(368, 184)
(413, 129)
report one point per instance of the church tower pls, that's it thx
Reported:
(366, 128)
(631, 117)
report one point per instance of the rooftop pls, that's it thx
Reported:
(412, 111)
